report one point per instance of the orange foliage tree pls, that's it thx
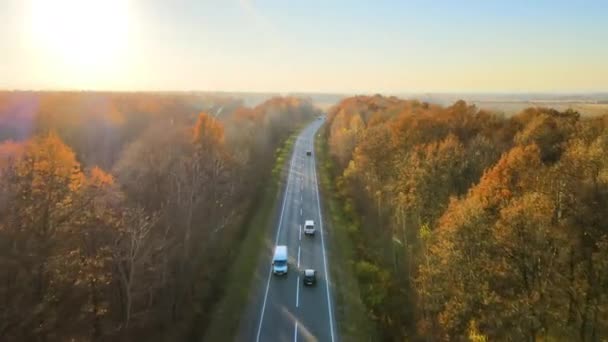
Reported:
(489, 226)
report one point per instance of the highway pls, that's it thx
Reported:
(281, 308)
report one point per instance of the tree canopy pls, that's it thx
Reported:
(489, 227)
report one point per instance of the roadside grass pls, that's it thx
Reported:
(351, 317)
(227, 314)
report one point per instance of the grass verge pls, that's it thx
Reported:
(228, 312)
(350, 311)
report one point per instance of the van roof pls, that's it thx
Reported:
(280, 252)
(309, 223)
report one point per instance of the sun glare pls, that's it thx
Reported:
(83, 37)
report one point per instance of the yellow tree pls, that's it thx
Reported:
(582, 196)
(463, 263)
(41, 186)
(531, 249)
(344, 132)
(81, 263)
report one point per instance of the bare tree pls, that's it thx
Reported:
(132, 250)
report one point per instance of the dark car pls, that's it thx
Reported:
(310, 277)
(309, 153)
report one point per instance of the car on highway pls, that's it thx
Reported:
(279, 260)
(310, 277)
(309, 153)
(309, 227)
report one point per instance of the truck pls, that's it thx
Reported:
(279, 260)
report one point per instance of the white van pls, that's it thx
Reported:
(309, 227)
(279, 260)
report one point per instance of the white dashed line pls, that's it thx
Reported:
(298, 292)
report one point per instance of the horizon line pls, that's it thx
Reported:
(341, 93)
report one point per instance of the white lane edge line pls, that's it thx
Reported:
(298, 257)
(300, 238)
(298, 292)
(289, 179)
(295, 333)
(316, 186)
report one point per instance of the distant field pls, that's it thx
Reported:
(509, 104)
(510, 108)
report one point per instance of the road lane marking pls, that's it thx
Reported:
(295, 333)
(300, 211)
(298, 292)
(298, 256)
(300, 238)
(285, 195)
(316, 186)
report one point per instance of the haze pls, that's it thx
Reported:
(312, 46)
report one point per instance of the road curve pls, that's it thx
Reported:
(281, 308)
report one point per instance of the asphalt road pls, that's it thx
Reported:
(281, 308)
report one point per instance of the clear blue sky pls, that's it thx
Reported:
(326, 46)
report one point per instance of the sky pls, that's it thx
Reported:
(339, 46)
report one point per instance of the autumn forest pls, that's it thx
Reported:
(119, 211)
(469, 225)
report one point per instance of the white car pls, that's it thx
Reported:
(309, 227)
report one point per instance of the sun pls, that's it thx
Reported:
(83, 37)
